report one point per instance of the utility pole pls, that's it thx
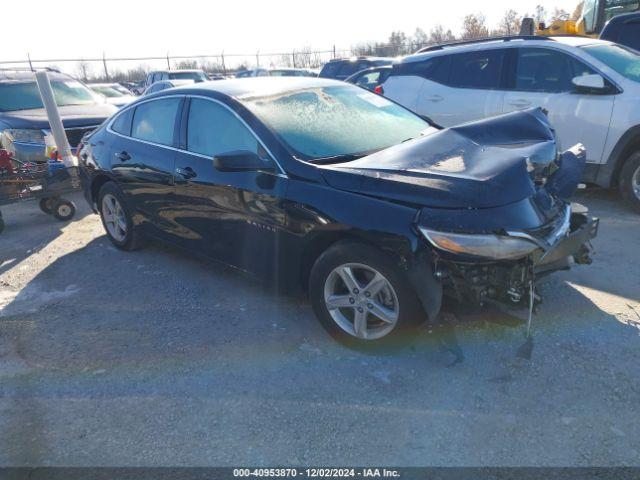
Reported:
(168, 63)
(224, 67)
(104, 63)
(293, 58)
(258, 59)
(30, 64)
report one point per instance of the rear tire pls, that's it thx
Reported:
(629, 181)
(116, 218)
(46, 205)
(379, 291)
(63, 210)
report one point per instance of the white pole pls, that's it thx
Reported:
(57, 129)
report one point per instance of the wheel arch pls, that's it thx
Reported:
(96, 184)
(608, 174)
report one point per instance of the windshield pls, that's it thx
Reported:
(196, 76)
(335, 121)
(26, 96)
(110, 92)
(622, 59)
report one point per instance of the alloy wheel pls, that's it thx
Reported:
(114, 217)
(361, 301)
(635, 183)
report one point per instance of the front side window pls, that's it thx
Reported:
(479, 70)
(212, 129)
(546, 70)
(336, 121)
(154, 121)
(617, 57)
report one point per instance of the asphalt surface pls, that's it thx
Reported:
(157, 358)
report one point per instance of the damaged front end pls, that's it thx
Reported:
(496, 254)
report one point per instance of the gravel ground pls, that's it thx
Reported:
(156, 358)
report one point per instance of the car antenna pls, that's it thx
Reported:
(526, 349)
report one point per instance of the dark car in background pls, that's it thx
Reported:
(371, 78)
(623, 29)
(24, 122)
(319, 184)
(159, 75)
(343, 68)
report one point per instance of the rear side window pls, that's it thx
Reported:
(212, 129)
(479, 70)
(546, 70)
(155, 121)
(122, 124)
(435, 69)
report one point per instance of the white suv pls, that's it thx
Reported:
(591, 89)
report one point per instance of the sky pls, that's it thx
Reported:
(190, 27)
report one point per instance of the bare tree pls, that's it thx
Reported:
(474, 26)
(540, 15)
(439, 35)
(84, 70)
(419, 39)
(510, 23)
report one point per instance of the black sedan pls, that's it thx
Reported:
(323, 186)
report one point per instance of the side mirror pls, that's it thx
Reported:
(240, 161)
(590, 84)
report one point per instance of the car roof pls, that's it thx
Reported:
(28, 75)
(189, 70)
(501, 42)
(357, 59)
(259, 86)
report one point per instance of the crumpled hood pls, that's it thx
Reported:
(72, 116)
(481, 164)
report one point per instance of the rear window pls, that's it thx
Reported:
(195, 76)
(479, 70)
(330, 69)
(26, 96)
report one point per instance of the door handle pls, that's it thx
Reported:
(521, 103)
(434, 98)
(186, 173)
(123, 156)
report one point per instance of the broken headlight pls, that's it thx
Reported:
(495, 247)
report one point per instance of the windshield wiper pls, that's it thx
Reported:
(349, 157)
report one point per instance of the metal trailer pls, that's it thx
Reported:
(44, 182)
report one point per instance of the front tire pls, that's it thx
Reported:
(629, 181)
(116, 218)
(362, 298)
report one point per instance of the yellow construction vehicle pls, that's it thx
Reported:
(595, 14)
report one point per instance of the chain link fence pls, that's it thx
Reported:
(105, 68)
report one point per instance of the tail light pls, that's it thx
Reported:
(379, 90)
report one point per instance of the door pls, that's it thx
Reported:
(236, 217)
(542, 77)
(463, 87)
(143, 156)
